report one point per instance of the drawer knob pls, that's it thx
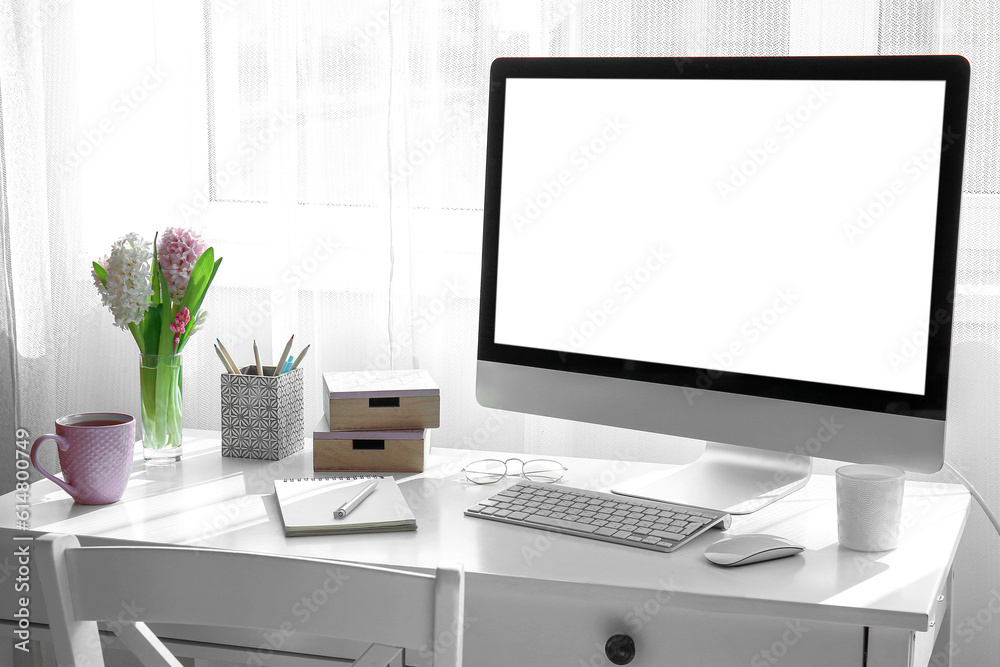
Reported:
(620, 649)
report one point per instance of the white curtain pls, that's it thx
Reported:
(333, 154)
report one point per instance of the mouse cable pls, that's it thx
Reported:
(975, 494)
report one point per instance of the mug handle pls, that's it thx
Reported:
(63, 445)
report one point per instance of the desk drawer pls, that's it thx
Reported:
(507, 626)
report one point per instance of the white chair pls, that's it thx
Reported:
(132, 586)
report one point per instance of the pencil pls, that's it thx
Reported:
(299, 358)
(256, 357)
(284, 354)
(223, 360)
(225, 352)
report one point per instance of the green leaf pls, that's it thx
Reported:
(151, 328)
(138, 336)
(155, 270)
(102, 275)
(201, 276)
(196, 305)
(166, 317)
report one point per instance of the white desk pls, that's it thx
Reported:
(536, 598)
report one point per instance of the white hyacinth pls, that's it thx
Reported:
(199, 321)
(128, 290)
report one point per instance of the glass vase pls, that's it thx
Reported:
(160, 387)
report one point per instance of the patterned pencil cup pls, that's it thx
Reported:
(262, 416)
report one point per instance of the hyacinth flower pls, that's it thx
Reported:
(155, 290)
(182, 319)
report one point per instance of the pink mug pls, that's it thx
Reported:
(95, 452)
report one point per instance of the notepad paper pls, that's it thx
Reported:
(308, 505)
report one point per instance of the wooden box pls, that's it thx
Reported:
(368, 451)
(381, 400)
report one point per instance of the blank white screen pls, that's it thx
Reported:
(775, 228)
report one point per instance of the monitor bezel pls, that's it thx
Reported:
(953, 70)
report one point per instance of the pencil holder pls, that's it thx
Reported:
(262, 416)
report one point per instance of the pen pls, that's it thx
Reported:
(288, 346)
(256, 357)
(225, 352)
(223, 360)
(299, 358)
(346, 508)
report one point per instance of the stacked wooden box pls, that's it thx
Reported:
(376, 421)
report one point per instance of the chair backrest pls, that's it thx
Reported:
(132, 586)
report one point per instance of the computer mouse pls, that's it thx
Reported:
(753, 548)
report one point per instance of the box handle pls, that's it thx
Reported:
(368, 444)
(384, 402)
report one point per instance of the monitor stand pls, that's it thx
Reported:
(738, 480)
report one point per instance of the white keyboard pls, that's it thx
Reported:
(633, 522)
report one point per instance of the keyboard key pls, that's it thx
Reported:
(677, 537)
(502, 513)
(605, 531)
(651, 540)
(641, 531)
(622, 534)
(560, 523)
(517, 516)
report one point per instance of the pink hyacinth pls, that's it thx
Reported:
(181, 321)
(178, 251)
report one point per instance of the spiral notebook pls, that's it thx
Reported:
(308, 505)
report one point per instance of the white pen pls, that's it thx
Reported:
(346, 508)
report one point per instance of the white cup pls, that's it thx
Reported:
(869, 506)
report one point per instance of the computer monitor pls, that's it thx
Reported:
(755, 252)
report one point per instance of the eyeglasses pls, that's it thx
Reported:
(489, 471)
